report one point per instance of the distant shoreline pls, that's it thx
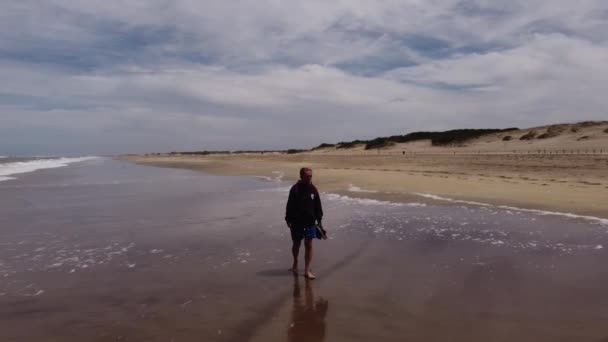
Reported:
(575, 184)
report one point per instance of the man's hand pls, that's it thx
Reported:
(289, 224)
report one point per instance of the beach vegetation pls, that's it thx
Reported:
(379, 143)
(455, 136)
(198, 153)
(553, 131)
(323, 145)
(591, 123)
(350, 144)
(462, 135)
(529, 136)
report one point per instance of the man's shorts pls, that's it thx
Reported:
(299, 233)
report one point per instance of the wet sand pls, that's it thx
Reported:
(121, 252)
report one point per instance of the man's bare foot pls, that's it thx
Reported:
(294, 270)
(309, 275)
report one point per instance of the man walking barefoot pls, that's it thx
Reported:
(302, 212)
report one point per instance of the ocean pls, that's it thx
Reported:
(99, 249)
(10, 166)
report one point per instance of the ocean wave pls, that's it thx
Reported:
(278, 175)
(266, 178)
(600, 220)
(346, 199)
(353, 188)
(284, 189)
(368, 201)
(277, 178)
(10, 169)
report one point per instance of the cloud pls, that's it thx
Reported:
(158, 75)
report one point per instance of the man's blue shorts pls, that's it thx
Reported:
(299, 233)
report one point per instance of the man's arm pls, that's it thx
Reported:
(318, 206)
(289, 208)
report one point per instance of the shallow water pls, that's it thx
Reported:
(105, 250)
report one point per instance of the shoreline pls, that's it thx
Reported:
(167, 254)
(567, 185)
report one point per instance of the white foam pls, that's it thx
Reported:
(279, 175)
(600, 220)
(367, 201)
(266, 178)
(10, 169)
(37, 293)
(277, 189)
(277, 178)
(353, 188)
(439, 198)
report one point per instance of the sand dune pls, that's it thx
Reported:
(584, 137)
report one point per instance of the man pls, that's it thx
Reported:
(302, 212)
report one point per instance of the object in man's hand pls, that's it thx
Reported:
(321, 233)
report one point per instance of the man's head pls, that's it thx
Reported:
(306, 175)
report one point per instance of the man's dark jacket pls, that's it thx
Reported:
(303, 205)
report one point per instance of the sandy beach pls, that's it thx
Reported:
(565, 183)
(565, 173)
(108, 250)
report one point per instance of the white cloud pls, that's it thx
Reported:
(268, 74)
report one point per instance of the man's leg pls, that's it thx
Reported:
(308, 258)
(295, 250)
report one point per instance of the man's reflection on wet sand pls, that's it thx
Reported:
(307, 315)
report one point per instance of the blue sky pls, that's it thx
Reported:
(83, 77)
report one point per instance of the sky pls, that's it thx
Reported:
(105, 77)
